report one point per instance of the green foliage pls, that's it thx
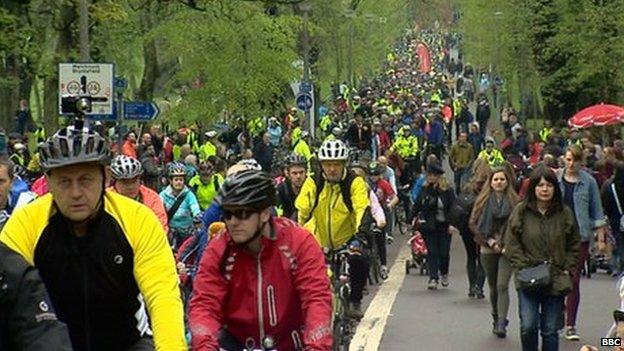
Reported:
(569, 51)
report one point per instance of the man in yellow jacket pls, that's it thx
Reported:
(333, 206)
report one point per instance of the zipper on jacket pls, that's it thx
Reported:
(329, 217)
(85, 288)
(260, 309)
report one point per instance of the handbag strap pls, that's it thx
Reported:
(617, 200)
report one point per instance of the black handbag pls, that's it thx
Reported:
(534, 278)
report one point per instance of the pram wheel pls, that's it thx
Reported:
(407, 266)
(422, 270)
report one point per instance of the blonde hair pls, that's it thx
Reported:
(487, 190)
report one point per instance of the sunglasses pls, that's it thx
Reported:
(242, 213)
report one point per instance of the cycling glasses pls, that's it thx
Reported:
(240, 213)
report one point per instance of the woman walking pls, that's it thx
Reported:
(432, 208)
(488, 222)
(542, 229)
(460, 215)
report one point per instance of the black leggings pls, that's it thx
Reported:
(476, 274)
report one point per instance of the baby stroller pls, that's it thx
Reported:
(600, 260)
(419, 254)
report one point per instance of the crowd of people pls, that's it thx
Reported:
(251, 212)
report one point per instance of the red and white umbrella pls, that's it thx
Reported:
(597, 115)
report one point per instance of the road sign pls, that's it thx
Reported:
(121, 83)
(304, 101)
(140, 110)
(305, 87)
(94, 80)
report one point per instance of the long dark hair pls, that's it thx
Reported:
(541, 171)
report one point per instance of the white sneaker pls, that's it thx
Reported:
(383, 272)
(444, 280)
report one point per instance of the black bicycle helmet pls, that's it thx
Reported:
(70, 146)
(295, 159)
(250, 188)
(374, 168)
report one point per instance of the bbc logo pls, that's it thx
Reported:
(610, 342)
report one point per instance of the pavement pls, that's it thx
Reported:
(402, 314)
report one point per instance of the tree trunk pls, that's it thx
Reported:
(64, 44)
(150, 62)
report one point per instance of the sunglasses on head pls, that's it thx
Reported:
(241, 213)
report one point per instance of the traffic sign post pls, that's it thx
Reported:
(86, 80)
(140, 110)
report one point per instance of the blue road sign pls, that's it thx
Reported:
(305, 87)
(140, 110)
(120, 83)
(304, 101)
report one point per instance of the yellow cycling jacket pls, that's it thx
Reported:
(111, 279)
(331, 222)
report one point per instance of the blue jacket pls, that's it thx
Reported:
(19, 194)
(417, 187)
(436, 135)
(183, 218)
(587, 204)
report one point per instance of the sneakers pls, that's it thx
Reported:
(571, 334)
(383, 272)
(472, 292)
(444, 280)
(479, 293)
(389, 239)
(355, 310)
(432, 285)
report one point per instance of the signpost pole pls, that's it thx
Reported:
(305, 8)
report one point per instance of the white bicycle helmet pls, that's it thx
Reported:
(333, 150)
(124, 167)
(250, 163)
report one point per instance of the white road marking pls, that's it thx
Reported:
(370, 330)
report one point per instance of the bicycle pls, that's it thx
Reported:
(400, 217)
(342, 324)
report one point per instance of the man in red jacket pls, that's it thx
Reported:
(263, 283)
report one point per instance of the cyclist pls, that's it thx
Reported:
(27, 321)
(180, 203)
(206, 184)
(126, 173)
(103, 257)
(332, 206)
(388, 200)
(296, 170)
(261, 263)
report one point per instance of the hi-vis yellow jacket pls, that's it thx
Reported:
(331, 222)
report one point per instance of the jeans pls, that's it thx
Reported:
(539, 312)
(438, 251)
(574, 297)
(476, 275)
(458, 174)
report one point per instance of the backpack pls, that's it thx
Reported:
(345, 191)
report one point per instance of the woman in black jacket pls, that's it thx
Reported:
(432, 208)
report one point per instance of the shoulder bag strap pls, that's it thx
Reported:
(175, 206)
(615, 196)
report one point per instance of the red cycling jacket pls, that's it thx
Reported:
(283, 293)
